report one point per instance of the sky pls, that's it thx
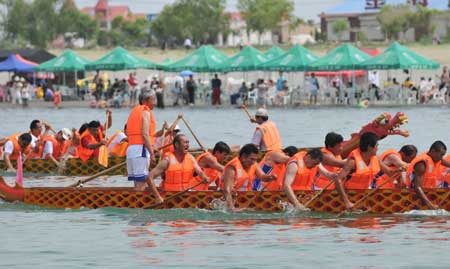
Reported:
(305, 9)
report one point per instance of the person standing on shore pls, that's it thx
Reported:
(133, 90)
(57, 98)
(190, 87)
(216, 84)
(314, 89)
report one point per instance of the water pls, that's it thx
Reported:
(192, 238)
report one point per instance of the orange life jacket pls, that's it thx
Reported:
(363, 175)
(120, 149)
(445, 173)
(85, 153)
(270, 136)
(243, 179)
(272, 168)
(58, 148)
(38, 153)
(322, 181)
(134, 126)
(15, 154)
(211, 173)
(432, 171)
(178, 176)
(392, 182)
(305, 177)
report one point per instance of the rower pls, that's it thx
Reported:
(396, 159)
(16, 144)
(274, 163)
(212, 164)
(178, 167)
(55, 146)
(91, 141)
(266, 135)
(240, 172)
(141, 127)
(37, 138)
(301, 170)
(445, 173)
(425, 171)
(332, 160)
(363, 166)
(118, 143)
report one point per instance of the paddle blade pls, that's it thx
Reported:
(19, 175)
(103, 156)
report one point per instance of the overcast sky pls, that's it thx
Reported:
(305, 9)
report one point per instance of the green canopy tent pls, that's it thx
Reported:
(69, 61)
(248, 59)
(120, 59)
(397, 56)
(273, 53)
(345, 57)
(205, 59)
(164, 63)
(296, 58)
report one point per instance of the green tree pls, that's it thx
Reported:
(265, 15)
(200, 20)
(127, 33)
(421, 22)
(395, 19)
(339, 27)
(15, 21)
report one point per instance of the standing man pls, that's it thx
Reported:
(141, 126)
(266, 136)
(190, 87)
(314, 88)
(280, 82)
(216, 84)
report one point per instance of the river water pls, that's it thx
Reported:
(190, 238)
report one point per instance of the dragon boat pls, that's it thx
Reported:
(381, 201)
(383, 125)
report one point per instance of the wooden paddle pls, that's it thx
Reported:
(163, 141)
(176, 195)
(248, 113)
(318, 194)
(193, 134)
(368, 194)
(445, 199)
(103, 150)
(104, 172)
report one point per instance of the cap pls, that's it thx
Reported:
(66, 133)
(261, 112)
(22, 79)
(16, 78)
(177, 128)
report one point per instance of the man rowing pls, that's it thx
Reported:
(240, 172)
(178, 167)
(396, 159)
(363, 166)
(274, 163)
(425, 171)
(118, 143)
(141, 127)
(212, 164)
(37, 138)
(17, 144)
(332, 160)
(300, 173)
(266, 135)
(56, 146)
(91, 141)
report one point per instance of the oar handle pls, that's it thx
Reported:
(163, 140)
(104, 172)
(193, 134)
(175, 195)
(248, 113)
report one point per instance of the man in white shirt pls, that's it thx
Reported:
(55, 146)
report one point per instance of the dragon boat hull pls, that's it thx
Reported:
(383, 201)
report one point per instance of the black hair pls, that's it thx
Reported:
(332, 139)
(409, 150)
(438, 145)
(25, 137)
(316, 154)
(83, 128)
(248, 149)
(177, 139)
(125, 127)
(290, 151)
(221, 147)
(34, 123)
(366, 140)
(94, 124)
(264, 118)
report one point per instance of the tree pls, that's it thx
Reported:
(395, 19)
(339, 27)
(200, 20)
(421, 22)
(265, 15)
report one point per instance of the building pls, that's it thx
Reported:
(106, 13)
(361, 17)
